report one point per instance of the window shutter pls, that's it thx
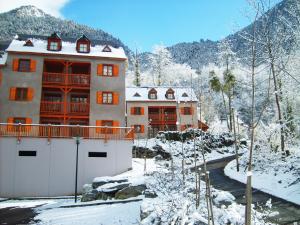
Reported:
(15, 64)
(192, 110)
(30, 94)
(115, 98)
(116, 124)
(98, 123)
(116, 70)
(12, 94)
(28, 121)
(142, 111)
(0, 78)
(32, 65)
(10, 127)
(100, 69)
(99, 97)
(132, 111)
(142, 129)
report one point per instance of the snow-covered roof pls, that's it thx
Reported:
(182, 94)
(68, 48)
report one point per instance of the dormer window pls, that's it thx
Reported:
(28, 43)
(83, 44)
(83, 47)
(170, 94)
(152, 94)
(185, 95)
(106, 49)
(53, 46)
(136, 95)
(54, 42)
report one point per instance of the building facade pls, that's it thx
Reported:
(153, 109)
(51, 81)
(53, 93)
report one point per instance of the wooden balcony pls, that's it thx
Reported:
(65, 131)
(48, 107)
(61, 79)
(158, 117)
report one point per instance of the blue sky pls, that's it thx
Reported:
(144, 23)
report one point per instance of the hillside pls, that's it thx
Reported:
(31, 20)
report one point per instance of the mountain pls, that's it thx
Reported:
(31, 20)
(200, 53)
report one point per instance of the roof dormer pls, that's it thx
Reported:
(170, 94)
(83, 44)
(54, 42)
(152, 94)
(106, 49)
(28, 43)
(185, 95)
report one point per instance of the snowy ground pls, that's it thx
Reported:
(272, 174)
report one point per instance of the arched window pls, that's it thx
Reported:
(170, 94)
(54, 42)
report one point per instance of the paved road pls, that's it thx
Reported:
(288, 212)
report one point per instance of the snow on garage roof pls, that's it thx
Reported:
(182, 94)
(68, 48)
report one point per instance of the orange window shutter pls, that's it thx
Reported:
(142, 111)
(99, 97)
(192, 110)
(30, 94)
(100, 69)
(116, 70)
(10, 127)
(32, 65)
(15, 64)
(116, 124)
(142, 129)
(12, 94)
(116, 98)
(28, 121)
(132, 110)
(98, 123)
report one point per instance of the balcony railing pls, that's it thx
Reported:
(65, 131)
(66, 79)
(71, 107)
(163, 117)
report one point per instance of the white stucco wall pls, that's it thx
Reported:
(52, 171)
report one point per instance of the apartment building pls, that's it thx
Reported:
(61, 88)
(153, 109)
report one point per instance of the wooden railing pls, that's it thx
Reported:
(66, 79)
(65, 131)
(163, 117)
(58, 107)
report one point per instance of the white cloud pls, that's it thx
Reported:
(51, 7)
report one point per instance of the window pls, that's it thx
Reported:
(27, 153)
(20, 120)
(83, 48)
(187, 111)
(107, 123)
(106, 49)
(79, 98)
(152, 94)
(21, 94)
(185, 95)
(170, 96)
(98, 154)
(136, 95)
(107, 98)
(107, 70)
(24, 65)
(137, 111)
(53, 46)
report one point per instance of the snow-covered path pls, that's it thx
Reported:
(116, 214)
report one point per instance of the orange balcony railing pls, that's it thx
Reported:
(66, 79)
(58, 108)
(163, 117)
(51, 107)
(65, 131)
